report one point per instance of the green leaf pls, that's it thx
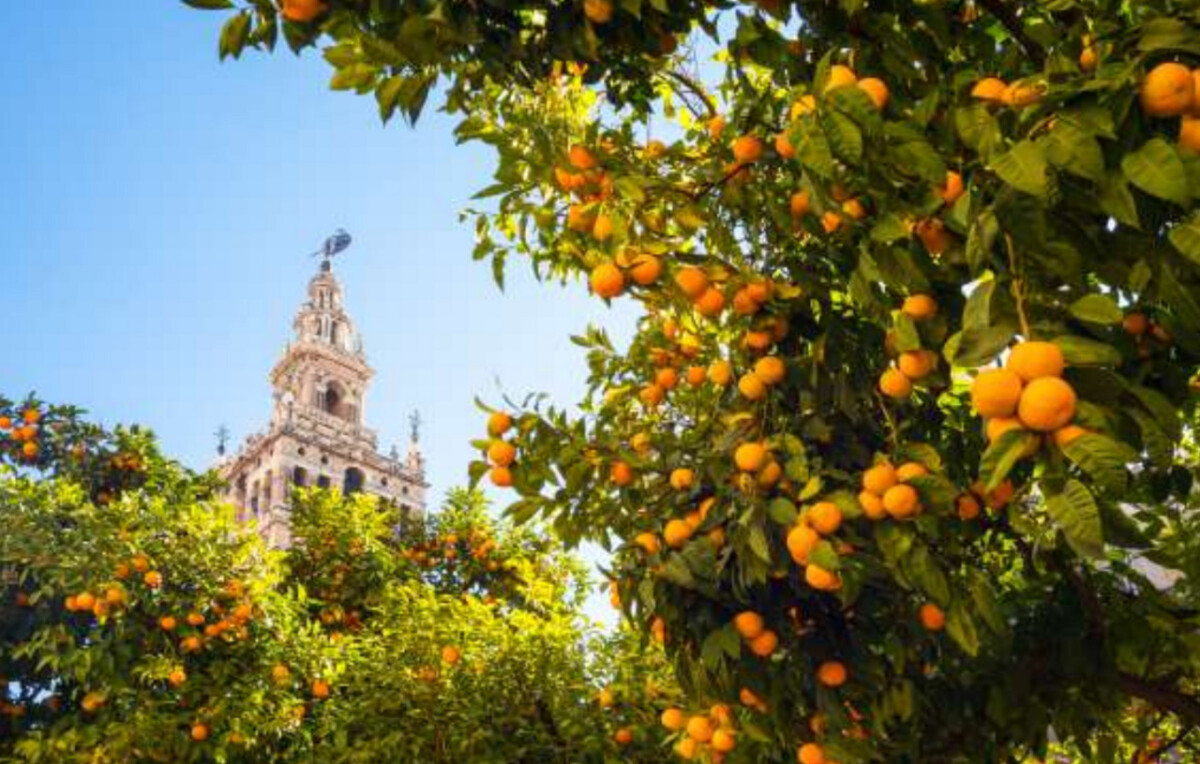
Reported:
(677, 572)
(1157, 169)
(907, 337)
(1024, 168)
(1075, 513)
(978, 346)
(923, 570)
(981, 236)
(1001, 456)
(234, 35)
(844, 136)
(210, 5)
(1097, 309)
(782, 511)
(1163, 411)
(978, 310)
(987, 604)
(825, 556)
(1103, 459)
(1081, 351)
(961, 628)
(1117, 200)
(1185, 237)
(1076, 151)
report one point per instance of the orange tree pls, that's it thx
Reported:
(895, 452)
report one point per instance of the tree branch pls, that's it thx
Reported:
(1162, 696)
(693, 87)
(1008, 17)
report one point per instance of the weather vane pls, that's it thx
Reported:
(414, 421)
(334, 245)
(222, 434)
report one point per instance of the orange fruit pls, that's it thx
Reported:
(502, 453)
(710, 303)
(676, 533)
(498, 424)
(1047, 404)
(302, 11)
(652, 395)
(648, 542)
(770, 474)
(177, 677)
(720, 373)
(952, 189)
(674, 719)
(770, 370)
(190, 644)
(901, 501)
(744, 304)
(1033, 360)
(825, 517)
(692, 281)
(199, 732)
(666, 378)
(932, 617)
(1022, 94)
(750, 457)
(831, 221)
(607, 281)
(832, 674)
(29, 449)
(715, 127)
(919, 307)
(752, 387)
(839, 77)
(682, 479)
(877, 89)
(580, 218)
(799, 204)
(997, 427)
(695, 375)
(451, 655)
(990, 89)
(1068, 435)
(854, 209)
(1168, 91)
(645, 270)
(933, 235)
(821, 579)
(748, 624)
(910, 470)
(5, 423)
(1135, 324)
(602, 229)
(85, 601)
(747, 149)
(153, 579)
(716, 537)
(723, 741)
(194, 619)
(784, 147)
(620, 473)
(806, 104)
(810, 753)
(1088, 57)
(623, 736)
(894, 384)
(996, 393)
(967, 506)
(801, 540)
(764, 644)
(879, 478)
(320, 689)
(700, 729)
(168, 623)
(917, 364)
(501, 477)
(872, 505)
(580, 158)
(598, 11)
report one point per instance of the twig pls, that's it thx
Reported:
(693, 87)
(1018, 291)
(1006, 16)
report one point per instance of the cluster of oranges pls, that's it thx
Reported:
(501, 453)
(23, 433)
(758, 638)
(1172, 90)
(768, 371)
(609, 278)
(706, 297)
(821, 519)
(912, 365)
(1146, 333)
(997, 92)
(713, 733)
(970, 503)
(886, 491)
(678, 531)
(1028, 393)
(112, 598)
(758, 466)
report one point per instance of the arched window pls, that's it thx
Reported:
(353, 481)
(300, 476)
(333, 399)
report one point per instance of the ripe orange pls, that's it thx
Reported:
(30, 449)
(764, 644)
(932, 617)
(901, 501)
(917, 364)
(770, 369)
(997, 427)
(1022, 94)
(784, 147)
(933, 235)
(821, 579)
(879, 478)
(894, 384)
(1047, 404)
(607, 281)
(1034, 360)
(692, 281)
(744, 304)
(5, 423)
(723, 741)
(280, 673)
(720, 373)
(747, 149)
(1135, 323)
(1089, 56)
(320, 689)
(700, 729)
(177, 677)
(1168, 91)
(872, 505)
(919, 307)
(652, 395)
(602, 229)
(806, 104)
(645, 270)
(831, 221)
(1189, 133)
(302, 11)
(910, 470)
(85, 601)
(715, 127)
(748, 624)
(996, 393)
(752, 387)
(695, 375)
(825, 517)
(710, 303)
(92, 702)
(676, 533)
(840, 76)
(580, 158)
(810, 753)
(153, 579)
(501, 477)
(682, 479)
(770, 474)
(967, 506)
(801, 540)
(990, 89)
(580, 218)
(623, 736)
(168, 623)
(832, 674)
(674, 719)
(877, 89)
(1068, 435)
(451, 655)
(498, 424)
(799, 204)
(620, 473)
(194, 619)
(952, 189)
(750, 457)
(502, 453)
(190, 644)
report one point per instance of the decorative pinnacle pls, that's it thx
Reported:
(334, 245)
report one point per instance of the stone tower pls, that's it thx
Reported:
(316, 435)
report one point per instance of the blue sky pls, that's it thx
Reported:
(158, 210)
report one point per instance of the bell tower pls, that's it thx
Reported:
(317, 434)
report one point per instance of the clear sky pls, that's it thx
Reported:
(158, 208)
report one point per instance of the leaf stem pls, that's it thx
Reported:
(1017, 288)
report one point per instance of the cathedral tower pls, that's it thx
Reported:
(316, 435)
